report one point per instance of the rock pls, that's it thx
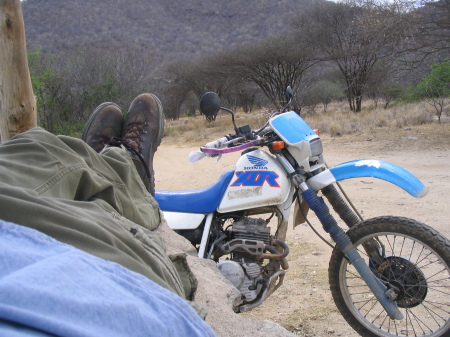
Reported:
(217, 294)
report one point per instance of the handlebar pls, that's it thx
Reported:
(209, 150)
(220, 146)
(217, 144)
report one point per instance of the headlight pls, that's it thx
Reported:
(316, 147)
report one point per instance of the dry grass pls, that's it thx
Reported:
(196, 130)
(337, 121)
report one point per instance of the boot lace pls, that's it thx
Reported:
(130, 146)
(100, 142)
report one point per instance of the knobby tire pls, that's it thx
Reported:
(416, 261)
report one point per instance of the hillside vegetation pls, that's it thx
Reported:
(170, 29)
(85, 52)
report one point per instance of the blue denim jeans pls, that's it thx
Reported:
(48, 288)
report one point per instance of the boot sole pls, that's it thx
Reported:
(161, 119)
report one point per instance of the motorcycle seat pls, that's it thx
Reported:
(203, 200)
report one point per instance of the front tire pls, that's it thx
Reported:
(415, 261)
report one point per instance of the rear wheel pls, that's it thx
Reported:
(410, 258)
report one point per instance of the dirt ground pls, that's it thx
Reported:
(303, 305)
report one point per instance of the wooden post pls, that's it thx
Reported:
(17, 101)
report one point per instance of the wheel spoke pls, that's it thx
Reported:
(440, 303)
(386, 317)
(361, 293)
(396, 326)
(401, 247)
(412, 250)
(389, 243)
(442, 271)
(363, 301)
(419, 256)
(439, 291)
(413, 269)
(373, 305)
(434, 305)
(410, 314)
(440, 280)
(433, 315)
(423, 259)
(377, 316)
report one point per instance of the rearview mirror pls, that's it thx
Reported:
(289, 93)
(210, 104)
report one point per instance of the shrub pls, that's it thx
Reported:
(434, 88)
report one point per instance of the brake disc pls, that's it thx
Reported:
(407, 277)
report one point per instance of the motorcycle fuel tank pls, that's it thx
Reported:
(258, 181)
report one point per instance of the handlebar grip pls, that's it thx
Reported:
(217, 144)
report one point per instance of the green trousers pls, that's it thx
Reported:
(58, 185)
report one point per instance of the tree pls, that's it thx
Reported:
(354, 35)
(198, 76)
(387, 88)
(98, 75)
(50, 90)
(272, 65)
(428, 35)
(17, 103)
(325, 92)
(69, 86)
(245, 95)
(390, 92)
(435, 87)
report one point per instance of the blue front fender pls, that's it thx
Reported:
(370, 168)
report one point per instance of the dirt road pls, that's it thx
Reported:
(304, 305)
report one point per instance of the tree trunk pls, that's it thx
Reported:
(358, 103)
(17, 101)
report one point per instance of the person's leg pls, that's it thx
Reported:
(95, 202)
(67, 168)
(48, 288)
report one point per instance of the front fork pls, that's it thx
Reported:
(346, 246)
(342, 240)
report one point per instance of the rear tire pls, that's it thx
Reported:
(416, 261)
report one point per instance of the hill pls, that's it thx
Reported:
(171, 29)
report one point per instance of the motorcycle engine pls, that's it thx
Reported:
(244, 268)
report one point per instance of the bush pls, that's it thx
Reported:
(436, 83)
(69, 87)
(435, 87)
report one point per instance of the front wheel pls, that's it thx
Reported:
(413, 260)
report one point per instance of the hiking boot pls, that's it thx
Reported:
(105, 123)
(142, 133)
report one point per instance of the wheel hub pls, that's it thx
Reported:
(406, 279)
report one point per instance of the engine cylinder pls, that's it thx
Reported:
(251, 229)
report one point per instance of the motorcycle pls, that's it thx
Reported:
(389, 276)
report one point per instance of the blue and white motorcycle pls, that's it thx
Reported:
(389, 276)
